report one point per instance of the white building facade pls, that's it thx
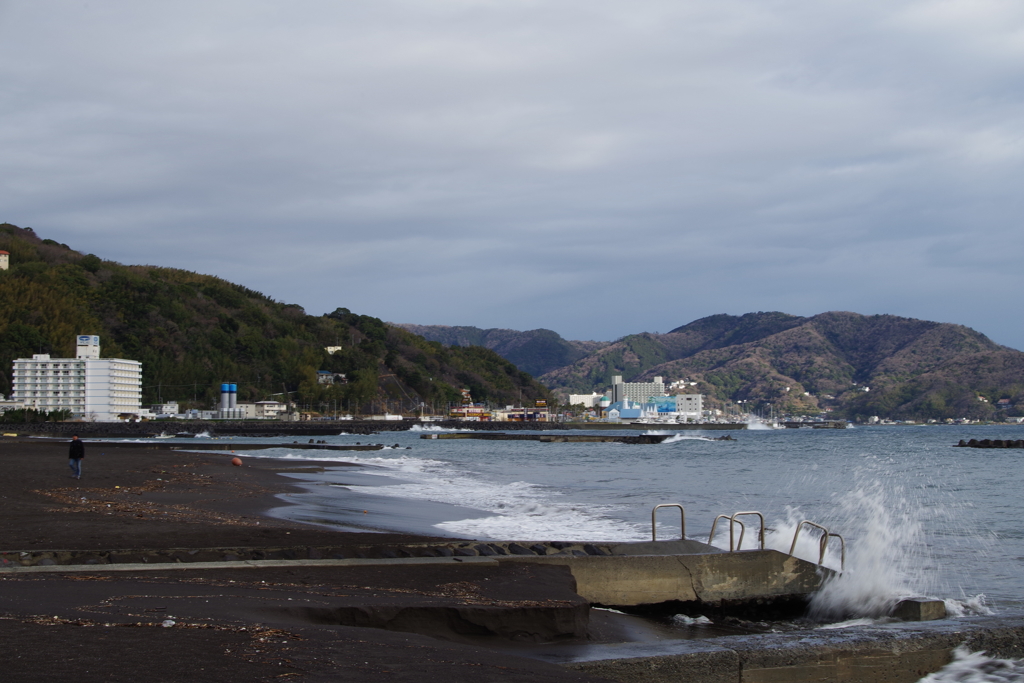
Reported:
(690, 406)
(588, 400)
(90, 387)
(639, 392)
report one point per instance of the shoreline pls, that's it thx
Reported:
(328, 620)
(151, 499)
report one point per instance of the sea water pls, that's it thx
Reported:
(919, 516)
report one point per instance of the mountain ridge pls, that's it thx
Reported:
(839, 362)
(533, 351)
(191, 332)
(846, 363)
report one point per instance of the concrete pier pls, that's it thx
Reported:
(555, 438)
(705, 579)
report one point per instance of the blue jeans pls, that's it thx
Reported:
(76, 467)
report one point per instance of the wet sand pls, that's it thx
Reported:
(150, 499)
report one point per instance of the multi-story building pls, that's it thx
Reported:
(5, 260)
(690, 406)
(92, 388)
(587, 400)
(639, 392)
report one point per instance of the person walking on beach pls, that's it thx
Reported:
(75, 455)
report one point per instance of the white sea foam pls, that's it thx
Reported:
(684, 620)
(675, 437)
(436, 428)
(976, 667)
(852, 623)
(883, 561)
(885, 558)
(967, 607)
(520, 510)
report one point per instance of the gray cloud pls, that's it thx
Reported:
(591, 167)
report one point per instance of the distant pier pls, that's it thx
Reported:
(559, 438)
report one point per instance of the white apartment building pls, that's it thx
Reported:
(690, 406)
(92, 388)
(639, 392)
(588, 400)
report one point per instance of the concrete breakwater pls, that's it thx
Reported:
(560, 438)
(829, 424)
(892, 653)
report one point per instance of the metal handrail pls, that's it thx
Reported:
(743, 530)
(822, 543)
(654, 515)
(733, 519)
(842, 551)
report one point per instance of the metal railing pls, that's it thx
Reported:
(654, 517)
(822, 543)
(735, 545)
(743, 530)
(760, 533)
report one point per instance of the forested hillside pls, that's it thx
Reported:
(194, 331)
(852, 365)
(533, 351)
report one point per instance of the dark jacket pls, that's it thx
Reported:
(77, 451)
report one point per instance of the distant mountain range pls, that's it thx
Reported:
(194, 331)
(848, 364)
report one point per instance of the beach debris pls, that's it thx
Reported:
(237, 462)
(167, 623)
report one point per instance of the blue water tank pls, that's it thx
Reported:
(225, 388)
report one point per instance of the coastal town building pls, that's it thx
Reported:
(682, 407)
(169, 409)
(630, 410)
(5, 260)
(587, 400)
(329, 378)
(469, 413)
(261, 410)
(636, 391)
(689, 407)
(539, 412)
(90, 387)
(9, 404)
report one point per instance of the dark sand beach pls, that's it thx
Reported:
(214, 624)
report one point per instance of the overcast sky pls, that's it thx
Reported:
(596, 168)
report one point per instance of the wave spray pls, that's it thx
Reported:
(886, 560)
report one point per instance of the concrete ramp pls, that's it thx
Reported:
(713, 579)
